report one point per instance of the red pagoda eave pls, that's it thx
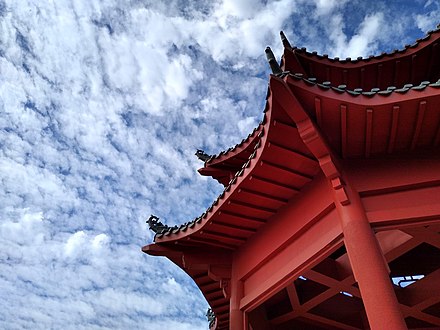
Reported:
(257, 191)
(363, 125)
(334, 186)
(414, 64)
(367, 98)
(430, 38)
(223, 166)
(263, 186)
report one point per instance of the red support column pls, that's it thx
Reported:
(368, 263)
(236, 316)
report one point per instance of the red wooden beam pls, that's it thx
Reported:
(362, 247)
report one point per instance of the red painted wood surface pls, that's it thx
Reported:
(335, 193)
(410, 65)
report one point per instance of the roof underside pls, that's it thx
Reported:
(412, 65)
(272, 165)
(223, 166)
(363, 126)
(275, 171)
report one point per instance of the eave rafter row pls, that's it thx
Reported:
(239, 196)
(262, 153)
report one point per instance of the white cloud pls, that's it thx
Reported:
(246, 125)
(75, 243)
(363, 41)
(242, 9)
(78, 286)
(428, 21)
(102, 107)
(100, 241)
(325, 7)
(238, 29)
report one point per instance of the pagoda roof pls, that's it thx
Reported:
(410, 65)
(263, 184)
(230, 165)
(375, 123)
(224, 165)
(301, 65)
(265, 171)
(274, 184)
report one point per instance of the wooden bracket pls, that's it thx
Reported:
(196, 259)
(222, 274)
(219, 272)
(225, 285)
(311, 137)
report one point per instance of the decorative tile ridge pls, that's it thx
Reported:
(256, 130)
(162, 230)
(304, 51)
(212, 158)
(250, 136)
(327, 85)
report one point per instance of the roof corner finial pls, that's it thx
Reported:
(156, 225)
(202, 155)
(275, 67)
(285, 41)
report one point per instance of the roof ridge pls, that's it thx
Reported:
(238, 145)
(167, 231)
(243, 141)
(326, 85)
(303, 50)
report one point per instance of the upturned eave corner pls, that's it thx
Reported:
(429, 38)
(333, 178)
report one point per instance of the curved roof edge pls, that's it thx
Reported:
(224, 165)
(216, 165)
(326, 85)
(246, 171)
(192, 226)
(232, 151)
(360, 59)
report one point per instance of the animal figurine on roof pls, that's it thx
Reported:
(202, 155)
(156, 225)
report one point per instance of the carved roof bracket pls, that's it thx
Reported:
(311, 137)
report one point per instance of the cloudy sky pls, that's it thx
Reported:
(102, 106)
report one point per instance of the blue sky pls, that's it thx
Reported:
(103, 104)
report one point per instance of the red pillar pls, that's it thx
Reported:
(236, 316)
(369, 267)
